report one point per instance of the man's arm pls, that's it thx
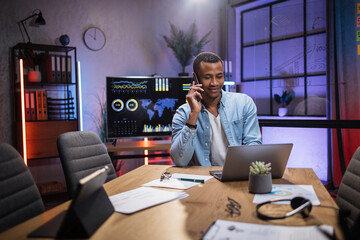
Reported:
(182, 139)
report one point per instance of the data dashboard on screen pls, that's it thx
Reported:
(143, 106)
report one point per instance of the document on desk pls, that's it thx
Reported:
(175, 182)
(229, 230)
(141, 198)
(288, 191)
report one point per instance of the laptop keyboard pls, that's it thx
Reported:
(218, 175)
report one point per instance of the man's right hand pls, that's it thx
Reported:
(194, 96)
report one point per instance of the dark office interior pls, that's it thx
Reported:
(309, 49)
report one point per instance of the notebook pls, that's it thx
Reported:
(239, 158)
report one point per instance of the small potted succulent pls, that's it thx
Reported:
(260, 179)
(284, 100)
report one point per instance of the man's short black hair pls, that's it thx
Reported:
(208, 57)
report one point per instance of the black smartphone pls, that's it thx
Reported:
(196, 78)
(196, 82)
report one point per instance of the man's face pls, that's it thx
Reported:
(212, 78)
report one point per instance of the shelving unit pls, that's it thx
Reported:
(45, 106)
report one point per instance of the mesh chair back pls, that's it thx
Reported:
(20, 199)
(82, 153)
(348, 196)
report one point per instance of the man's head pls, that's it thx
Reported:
(209, 70)
(208, 57)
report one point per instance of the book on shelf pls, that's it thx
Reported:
(68, 70)
(32, 106)
(38, 105)
(45, 67)
(58, 68)
(52, 72)
(55, 68)
(63, 69)
(27, 106)
(44, 108)
(50, 68)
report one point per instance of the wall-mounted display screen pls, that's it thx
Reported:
(143, 106)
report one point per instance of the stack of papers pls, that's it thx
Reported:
(222, 229)
(174, 181)
(141, 198)
(144, 197)
(288, 191)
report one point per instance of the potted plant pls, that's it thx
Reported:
(99, 118)
(284, 100)
(185, 45)
(260, 179)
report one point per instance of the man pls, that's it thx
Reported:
(212, 119)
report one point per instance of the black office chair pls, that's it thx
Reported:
(348, 196)
(20, 199)
(81, 153)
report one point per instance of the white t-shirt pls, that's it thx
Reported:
(218, 141)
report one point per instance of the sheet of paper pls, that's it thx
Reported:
(288, 191)
(173, 182)
(229, 230)
(141, 198)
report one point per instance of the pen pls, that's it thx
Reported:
(192, 180)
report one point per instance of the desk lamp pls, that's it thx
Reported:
(38, 21)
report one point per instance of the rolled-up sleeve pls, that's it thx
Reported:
(182, 139)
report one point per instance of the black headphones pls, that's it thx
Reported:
(299, 204)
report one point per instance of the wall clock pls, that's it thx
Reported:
(94, 38)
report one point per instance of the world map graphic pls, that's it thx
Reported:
(159, 107)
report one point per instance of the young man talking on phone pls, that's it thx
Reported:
(212, 119)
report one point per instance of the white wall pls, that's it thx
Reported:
(134, 45)
(309, 149)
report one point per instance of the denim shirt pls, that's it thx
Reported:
(238, 116)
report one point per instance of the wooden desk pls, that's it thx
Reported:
(190, 217)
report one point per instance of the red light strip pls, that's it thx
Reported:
(21, 67)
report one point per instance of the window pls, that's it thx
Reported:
(284, 48)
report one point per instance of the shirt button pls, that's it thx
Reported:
(205, 144)
(207, 126)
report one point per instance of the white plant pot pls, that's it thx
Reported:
(282, 111)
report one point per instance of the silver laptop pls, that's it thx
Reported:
(239, 158)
